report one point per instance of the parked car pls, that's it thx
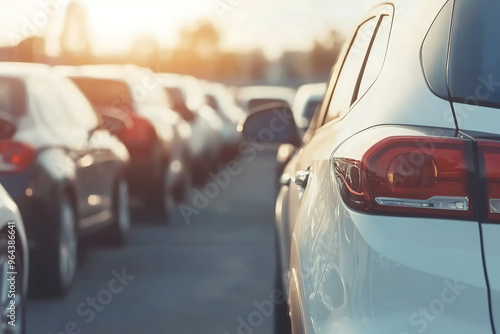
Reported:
(186, 94)
(64, 171)
(307, 100)
(160, 167)
(13, 259)
(387, 221)
(218, 97)
(252, 97)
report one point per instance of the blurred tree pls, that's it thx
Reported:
(204, 39)
(198, 52)
(324, 54)
(145, 51)
(258, 65)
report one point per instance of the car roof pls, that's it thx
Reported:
(106, 72)
(23, 70)
(248, 93)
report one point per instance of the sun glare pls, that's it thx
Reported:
(113, 26)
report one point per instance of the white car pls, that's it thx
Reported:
(218, 97)
(13, 266)
(159, 170)
(388, 216)
(205, 142)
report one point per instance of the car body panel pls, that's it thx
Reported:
(491, 233)
(10, 213)
(472, 118)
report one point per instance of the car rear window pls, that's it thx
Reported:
(435, 51)
(474, 67)
(106, 93)
(12, 96)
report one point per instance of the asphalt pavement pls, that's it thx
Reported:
(210, 270)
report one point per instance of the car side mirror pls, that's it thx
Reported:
(115, 120)
(7, 125)
(271, 123)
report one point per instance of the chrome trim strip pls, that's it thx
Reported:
(436, 202)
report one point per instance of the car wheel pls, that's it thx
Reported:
(183, 187)
(160, 201)
(57, 263)
(117, 233)
(282, 323)
(19, 297)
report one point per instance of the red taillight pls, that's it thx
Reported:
(408, 175)
(15, 157)
(490, 156)
(141, 131)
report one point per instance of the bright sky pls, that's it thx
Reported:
(275, 25)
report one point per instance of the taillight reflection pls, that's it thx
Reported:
(15, 157)
(142, 131)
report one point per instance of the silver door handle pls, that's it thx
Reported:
(302, 177)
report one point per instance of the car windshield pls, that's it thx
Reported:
(12, 96)
(474, 70)
(106, 93)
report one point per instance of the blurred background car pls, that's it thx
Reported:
(159, 172)
(251, 97)
(218, 97)
(13, 258)
(206, 141)
(307, 100)
(64, 171)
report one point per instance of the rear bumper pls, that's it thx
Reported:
(145, 167)
(362, 273)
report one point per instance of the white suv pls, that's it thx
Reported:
(388, 215)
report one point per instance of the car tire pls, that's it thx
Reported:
(117, 233)
(184, 185)
(282, 322)
(160, 200)
(19, 295)
(57, 263)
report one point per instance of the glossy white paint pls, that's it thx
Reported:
(491, 235)
(476, 118)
